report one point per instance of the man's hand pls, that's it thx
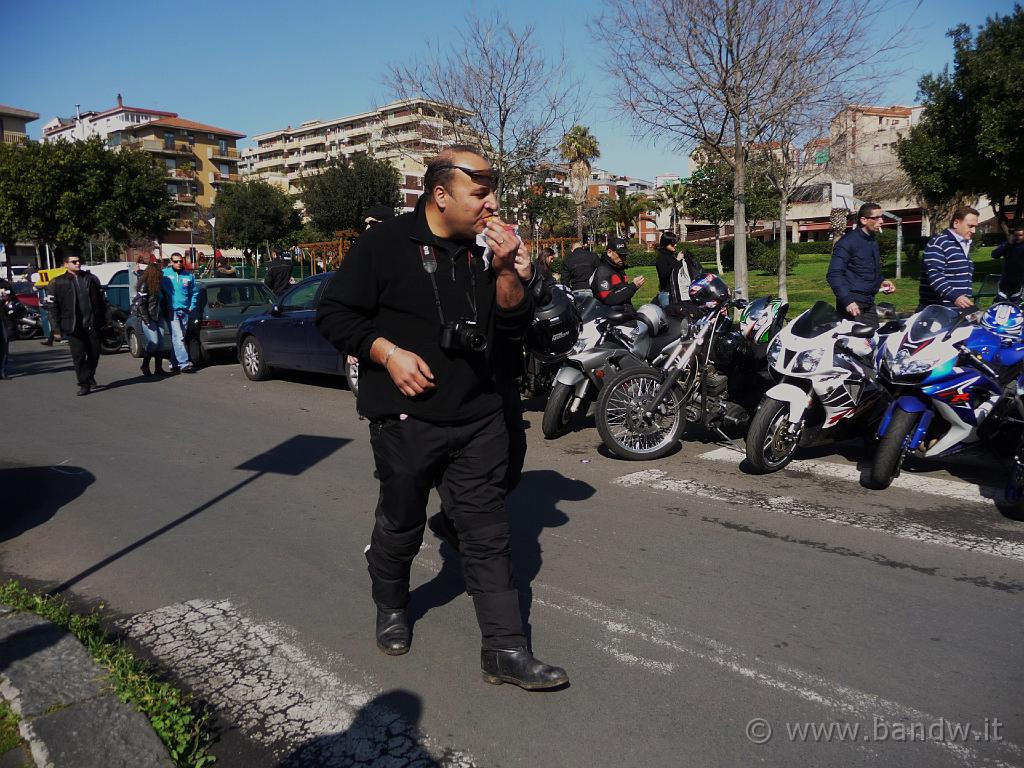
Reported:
(504, 244)
(853, 309)
(888, 286)
(524, 267)
(964, 302)
(410, 373)
(639, 280)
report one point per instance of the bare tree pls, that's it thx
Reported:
(497, 89)
(723, 72)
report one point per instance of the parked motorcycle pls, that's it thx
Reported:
(715, 377)
(625, 336)
(25, 321)
(826, 387)
(948, 377)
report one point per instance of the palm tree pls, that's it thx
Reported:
(673, 197)
(578, 147)
(625, 209)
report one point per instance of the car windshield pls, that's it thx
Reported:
(815, 321)
(238, 294)
(933, 321)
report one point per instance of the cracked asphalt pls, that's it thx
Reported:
(222, 524)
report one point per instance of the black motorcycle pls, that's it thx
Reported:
(24, 321)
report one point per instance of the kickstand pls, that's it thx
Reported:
(728, 442)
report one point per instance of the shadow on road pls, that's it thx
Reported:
(384, 732)
(292, 457)
(29, 496)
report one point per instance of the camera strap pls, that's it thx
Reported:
(429, 259)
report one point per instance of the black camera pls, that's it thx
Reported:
(463, 335)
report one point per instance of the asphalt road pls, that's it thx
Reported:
(707, 617)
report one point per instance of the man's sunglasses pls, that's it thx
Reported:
(175, 261)
(74, 261)
(488, 178)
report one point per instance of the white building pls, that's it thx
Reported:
(87, 124)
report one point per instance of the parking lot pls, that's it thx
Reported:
(705, 615)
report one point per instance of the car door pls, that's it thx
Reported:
(323, 355)
(286, 344)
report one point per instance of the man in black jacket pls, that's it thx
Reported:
(78, 310)
(578, 268)
(417, 303)
(610, 284)
(855, 270)
(674, 265)
(279, 273)
(1012, 278)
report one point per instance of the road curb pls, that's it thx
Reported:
(70, 716)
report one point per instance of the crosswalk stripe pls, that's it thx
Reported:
(656, 479)
(834, 470)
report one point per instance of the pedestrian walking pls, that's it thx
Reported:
(77, 312)
(1012, 278)
(419, 306)
(855, 269)
(180, 296)
(152, 314)
(279, 273)
(947, 272)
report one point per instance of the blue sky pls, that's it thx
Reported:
(256, 66)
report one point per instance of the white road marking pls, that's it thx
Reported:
(834, 470)
(656, 479)
(279, 695)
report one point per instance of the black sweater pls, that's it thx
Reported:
(382, 290)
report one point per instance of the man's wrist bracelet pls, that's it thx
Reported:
(387, 357)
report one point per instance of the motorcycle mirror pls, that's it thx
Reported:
(740, 303)
(862, 331)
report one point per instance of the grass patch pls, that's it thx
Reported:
(806, 283)
(175, 718)
(9, 736)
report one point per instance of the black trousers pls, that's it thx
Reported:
(85, 352)
(868, 313)
(468, 464)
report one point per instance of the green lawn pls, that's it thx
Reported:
(807, 281)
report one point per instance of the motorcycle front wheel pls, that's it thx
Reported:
(23, 331)
(621, 416)
(558, 414)
(770, 444)
(891, 449)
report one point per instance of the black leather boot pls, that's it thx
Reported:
(441, 526)
(146, 371)
(519, 667)
(393, 635)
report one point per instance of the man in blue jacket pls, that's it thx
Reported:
(947, 272)
(855, 270)
(181, 293)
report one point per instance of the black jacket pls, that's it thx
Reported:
(279, 272)
(855, 270)
(1013, 269)
(610, 284)
(578, 268)
(382, 289)
(63, 309)
(668, 264)
(150, 305)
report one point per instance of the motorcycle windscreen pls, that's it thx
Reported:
(932, 321)
(815, 321)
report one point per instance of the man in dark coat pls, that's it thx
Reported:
(610, 284)
(578, 268)
(855, 269)
(279, 273)
(78, 310)
(421, 308)
(1012, 254)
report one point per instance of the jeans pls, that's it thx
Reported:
(179, 326)
(154, 334)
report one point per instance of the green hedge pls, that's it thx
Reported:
(761, 256)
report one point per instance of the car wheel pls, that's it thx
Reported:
(196, 353)
(253, 363)
(134, 345)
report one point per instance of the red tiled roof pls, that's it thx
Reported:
(178, 122)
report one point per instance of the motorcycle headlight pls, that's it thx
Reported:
(808, 360)
(909, 367)
(774, 350)
(579, 346)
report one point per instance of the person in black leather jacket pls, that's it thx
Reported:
(279, 273)
(78, 311)
(610, 284)
(579, 267)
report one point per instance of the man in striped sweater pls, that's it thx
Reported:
(947, 273)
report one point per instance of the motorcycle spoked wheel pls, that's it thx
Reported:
(112, 339)
(621, 421)
(771, 444)
(24, 331)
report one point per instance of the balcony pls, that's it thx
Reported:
(160, 146)
(181, 225)
(181, 173)
(13, 137)
(229, 153)
(312, 141)
(224, 178)
(184, 198)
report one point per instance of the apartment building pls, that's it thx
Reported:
(405, 133)
(84, 125)
(865, 137)
(13, 122)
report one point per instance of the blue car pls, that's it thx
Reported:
(285, 336)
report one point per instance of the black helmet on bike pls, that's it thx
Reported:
(556, 326)
(709, 291)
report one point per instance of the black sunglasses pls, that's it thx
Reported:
(175, 261)
(74, 261)
(488, 178)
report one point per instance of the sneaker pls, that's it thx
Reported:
(188, 368)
